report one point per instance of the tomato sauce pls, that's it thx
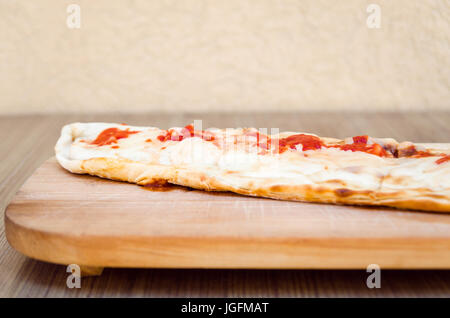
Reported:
(360, 139)
(111, 135)
(443, 159)
(309, 142)
(374, 149)
(159, 185)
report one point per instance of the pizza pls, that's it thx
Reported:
(359, 170)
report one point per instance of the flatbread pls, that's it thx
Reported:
(289, 166)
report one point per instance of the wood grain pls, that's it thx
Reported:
(65, 218)
(30, 141)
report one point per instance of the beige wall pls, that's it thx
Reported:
(223, 55)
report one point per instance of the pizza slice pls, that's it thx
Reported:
(360, 170)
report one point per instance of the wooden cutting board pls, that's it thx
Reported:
(64, 218)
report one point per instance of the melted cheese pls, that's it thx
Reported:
(238, 159)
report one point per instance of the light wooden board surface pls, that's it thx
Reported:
(30, 140)
(64, 218)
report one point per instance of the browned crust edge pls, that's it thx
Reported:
(142, 174)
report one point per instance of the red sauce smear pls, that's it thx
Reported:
(310, 142)
(186, 132)
(412, 152)
(422, 154)
(374, 149)
(159, 185)
(360, 139)
(360, 144)
(111, 135)
(443, 159)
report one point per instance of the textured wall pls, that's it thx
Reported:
(233, 55)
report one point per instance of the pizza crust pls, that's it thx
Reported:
(212, 173)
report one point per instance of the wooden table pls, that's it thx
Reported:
(27, 141)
